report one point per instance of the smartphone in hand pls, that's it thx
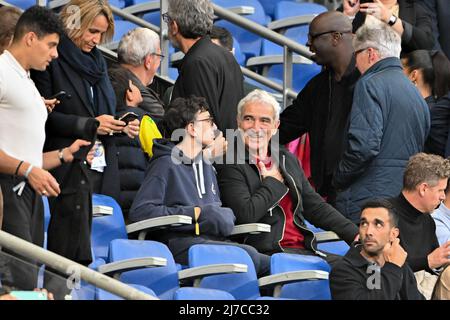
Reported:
(128, 117)
(60, 95)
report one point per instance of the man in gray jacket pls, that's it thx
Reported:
(389, 122)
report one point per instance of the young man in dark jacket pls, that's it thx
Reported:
(179, 181)
(376, 268)
(268, 186)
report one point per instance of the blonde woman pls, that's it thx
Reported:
(89, 101)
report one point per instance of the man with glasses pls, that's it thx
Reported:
(389, 122)
(323, 106)
(180, 181)
(139, 56)
(207, 70)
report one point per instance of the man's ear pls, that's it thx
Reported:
(148, 61)
(174, 28)
(421, 189)
(29, 38)
(413, 75)
(395, 232)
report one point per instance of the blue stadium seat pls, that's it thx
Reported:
(301, 74)
(106, 228)
(250, 42)
(306, 290)
(22, 4)
(105, 295)
(243, 286)
(121, 27)
(187, 293)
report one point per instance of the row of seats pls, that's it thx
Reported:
(226, 270)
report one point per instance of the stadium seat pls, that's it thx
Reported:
(22, 4)
(306, 290)
(242, 285)
(101, 294)
(250, 42)
(188, 293)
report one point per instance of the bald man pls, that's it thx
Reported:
(323, 106)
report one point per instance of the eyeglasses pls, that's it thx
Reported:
(312, 37)
(210, 120)
(166, 18)
(360, 50)
(158, 55)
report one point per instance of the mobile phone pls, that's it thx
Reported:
(29, 295)
(60, 95)
(128, 117)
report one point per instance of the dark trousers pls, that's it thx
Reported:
(23, 217)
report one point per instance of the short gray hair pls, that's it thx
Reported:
(259, 96)
(423, 167)
(378, 35)
(136, 45)
(194, 17)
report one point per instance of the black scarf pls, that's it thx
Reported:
(92, 68)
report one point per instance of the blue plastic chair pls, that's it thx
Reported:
(243, 286)
(250, 43)
(121, 27)
(105, 295)
(22, 4)
(188, 293)
(335, 247)
(106, 228)
(301, 73)
(305, 290)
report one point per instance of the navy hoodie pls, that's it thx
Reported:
(174, 185)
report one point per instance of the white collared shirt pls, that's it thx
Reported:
(22, 113)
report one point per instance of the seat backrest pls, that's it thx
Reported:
(106, 228)
(286, 9)
(305, 290)
(187, 293)
(301, 74)
(162, 280)
(241, 285)
(23, 4)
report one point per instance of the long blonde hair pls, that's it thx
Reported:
(78, 15)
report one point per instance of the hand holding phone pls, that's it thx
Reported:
(59, 96)
(128, 117)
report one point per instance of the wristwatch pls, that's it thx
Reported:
(392, 20)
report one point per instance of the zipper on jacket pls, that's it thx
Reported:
(276, 203)
(293, 214)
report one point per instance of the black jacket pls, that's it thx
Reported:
(349, 280)
(255, 200)
(68, 120)
(417, 24)
(440, 13)
(325, 117)
(212, 72)
(438, 141)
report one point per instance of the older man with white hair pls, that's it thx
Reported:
(139, 56)
(265, 184)
(389, 122)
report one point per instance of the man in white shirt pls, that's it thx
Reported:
(23, 167)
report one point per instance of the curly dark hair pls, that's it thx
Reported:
(39, 20)
(181, 112)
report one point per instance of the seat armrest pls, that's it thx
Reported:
(291, 22)
(115, 269)
(275, 59)
(250, 228)
(326, 236)
(276, 281)
(145, 226)
(197, 273)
